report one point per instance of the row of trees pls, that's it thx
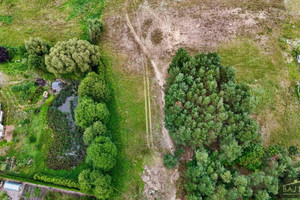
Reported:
(93, 115)
(208, 111)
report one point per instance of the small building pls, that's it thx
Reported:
(13, 186)
(1, 131)
(1, 116)
(298, 58)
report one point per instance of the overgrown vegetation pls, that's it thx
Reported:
(207, 110)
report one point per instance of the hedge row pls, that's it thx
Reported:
(56, 180)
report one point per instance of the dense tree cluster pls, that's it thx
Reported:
(201, 98)
(72, 56)
(4, 56)
(208, 111)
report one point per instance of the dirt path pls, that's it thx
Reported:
(160, 81)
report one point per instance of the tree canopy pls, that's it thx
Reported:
(97, 129)
(88, 111)
(72, 56)
(93, 86)
(102, 153)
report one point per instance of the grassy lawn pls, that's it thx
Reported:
(272, 81)
(128, 127)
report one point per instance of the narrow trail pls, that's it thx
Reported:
(160, 81)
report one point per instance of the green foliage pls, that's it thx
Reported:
(6, 19)
(37, 46)
(94, 86)
(170, 160)
(95, 28)
(36, 192)
(64, 136)
(102, 153)
(201, 97)
(35, 62)
(4, 196)
(56, 180)
(88, 112)
(72, 56)
(252, 157)
(97, 129)
(95, 183)
(293, 150)
(28, 91)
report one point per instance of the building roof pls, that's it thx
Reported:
(1, 130)
(1, 116)
(8, 185)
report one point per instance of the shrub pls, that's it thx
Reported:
(97, 129)
(93, 86)
(37, 46)
(72, 56)
(95, 28)
(35, 61)
(36, 192)
(102, 153)
(4, 196)
(4, 56)
(170, 161)
(293, 150)
(88, 112)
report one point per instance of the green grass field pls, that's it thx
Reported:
(272, 81)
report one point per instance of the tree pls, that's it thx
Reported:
(37, 46)
(95, 28)
(94, 86)
(102, 153)
(88, 112)
(4, 56)
(85, 182)
(102, 183)
(72, 56)
(97, 129)
(95, 183)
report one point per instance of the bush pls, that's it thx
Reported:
(4, 56)
(36, 192)
(37, 46)
(88, 112)
(293, 150)
(35, 61)
(95, 28)
(4, 196)
(102, 153)
(72, 56)
(93, 86)
(170, 161)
